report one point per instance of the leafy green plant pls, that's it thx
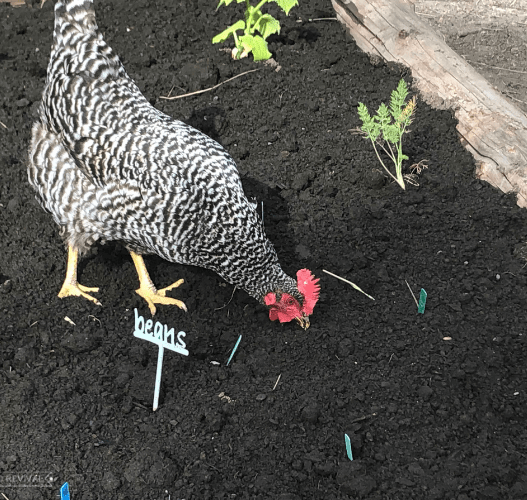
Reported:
(387, 127)
(254, 21)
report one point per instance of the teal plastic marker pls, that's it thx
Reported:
(65, 492)
(422, 301)
(234, 350)
(348, 446)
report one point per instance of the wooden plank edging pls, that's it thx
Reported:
(491, 128)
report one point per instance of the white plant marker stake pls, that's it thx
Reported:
(158, 376)
(164, 338)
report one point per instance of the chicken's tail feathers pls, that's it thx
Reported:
(74, 14)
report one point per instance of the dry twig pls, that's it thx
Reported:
(499, 68)
(416, 303)
(225, 305)
(277, 380)
(209, 89)
(349, 283)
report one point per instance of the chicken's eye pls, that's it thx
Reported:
(289, 301)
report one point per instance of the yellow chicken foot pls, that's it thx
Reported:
(148, 291)
(71, 288)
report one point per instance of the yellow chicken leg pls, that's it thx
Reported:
(71, 288)
(148, 291)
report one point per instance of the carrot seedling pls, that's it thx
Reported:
(386, 128)
(254, 22)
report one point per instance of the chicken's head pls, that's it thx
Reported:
(285, 307)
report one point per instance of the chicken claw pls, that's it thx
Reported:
(78, 290)
(71, 288)
(149, 292)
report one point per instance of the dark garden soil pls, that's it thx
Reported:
(434, 403)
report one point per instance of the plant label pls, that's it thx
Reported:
(65, 492)
(348, 446)
(159, 334)
(234, 350)
(422, 301)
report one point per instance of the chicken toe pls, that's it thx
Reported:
(71, 288)
(78, 290)
(153, 296)
(149, 292)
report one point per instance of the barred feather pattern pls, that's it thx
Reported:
(109, 166)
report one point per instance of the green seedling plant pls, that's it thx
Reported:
(387, 127)
(256, 26)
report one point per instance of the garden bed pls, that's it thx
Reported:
(434, 403)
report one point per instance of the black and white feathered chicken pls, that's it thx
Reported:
(109, 166)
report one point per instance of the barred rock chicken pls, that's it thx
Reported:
(109, 166)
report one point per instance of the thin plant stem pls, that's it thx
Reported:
(399, 158)
(261, 4)
(392, 154)
(386, 151)
(250, 30)
(383, 165)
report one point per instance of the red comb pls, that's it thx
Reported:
(308, 286)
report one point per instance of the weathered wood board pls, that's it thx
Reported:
(492, 129)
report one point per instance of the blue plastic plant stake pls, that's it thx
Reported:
(422, 301)
(65, 492)
(348, 446)
(234, 350)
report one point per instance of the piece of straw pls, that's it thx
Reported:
(413, 295)
(349, 283)
(209, 89)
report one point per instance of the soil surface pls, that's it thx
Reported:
(434, 404)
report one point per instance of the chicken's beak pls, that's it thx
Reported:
(303, 321)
